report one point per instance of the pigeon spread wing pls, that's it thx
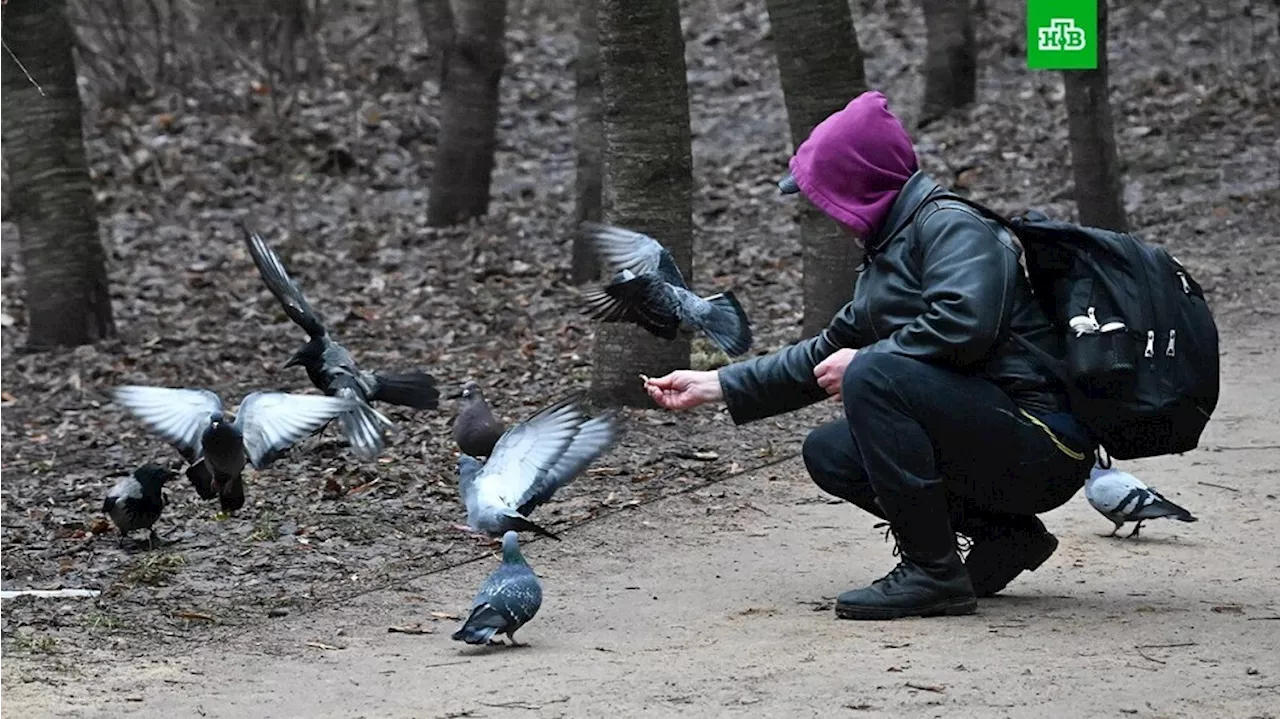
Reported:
(594, 438)
(468, 469)
(180, 416)
(628, 250)
(643, 300)
(526, 452)
(277, 279)
(273, 421)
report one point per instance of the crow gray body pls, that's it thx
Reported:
(137, 501)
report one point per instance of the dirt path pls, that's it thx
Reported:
(718, 604)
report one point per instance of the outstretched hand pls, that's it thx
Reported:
(684, 389)
(830, 371)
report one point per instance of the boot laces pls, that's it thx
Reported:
(889, 530)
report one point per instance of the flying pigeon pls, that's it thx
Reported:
(531, 461)
(476, 430)
(193, 421)
(507, 600)
(136, 501)
(1122, 497)
(647, 289)
(332, 369)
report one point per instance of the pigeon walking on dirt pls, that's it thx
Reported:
(507, 600)
(193, 421)
(476, 430)
(332, 369)
(530, 463)
(136, 501)
(1122, 497)
(647, 289)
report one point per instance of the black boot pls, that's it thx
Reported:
(929, 580)
(1003, 546)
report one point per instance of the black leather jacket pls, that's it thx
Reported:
(945, 287)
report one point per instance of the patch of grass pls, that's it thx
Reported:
(265, 528)
(103, 620)
(34, 643)
(153, 569)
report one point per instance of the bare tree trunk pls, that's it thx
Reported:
(436, 17)
(648, 173)
(820, 65)
(1099, 186)
(951, 58)
(589, 179)
(67, 301)
(473, 64)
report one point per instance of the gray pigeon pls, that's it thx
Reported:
(476, 430)
(332, 369)
(1122, 497)
(648, 290)
(507, 600)
(136, 501)
(531, 461)
(192, 420)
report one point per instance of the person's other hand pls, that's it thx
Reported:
(684, 389)
(830, 371)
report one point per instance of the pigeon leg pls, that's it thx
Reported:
(1136, 527)
(1114, 530)
(153, 539)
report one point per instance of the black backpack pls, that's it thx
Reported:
(1141, 363)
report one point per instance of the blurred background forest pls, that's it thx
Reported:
(423, 167)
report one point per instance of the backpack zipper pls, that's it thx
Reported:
(1168, 351)
(1186, 288)
(1151, 344)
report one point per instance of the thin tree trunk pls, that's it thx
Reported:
(951, 58)
(588, 181)
(820, 65)
(436, 18)
(648, 173)
(67, 301)
(1099, 185)
(473, 65)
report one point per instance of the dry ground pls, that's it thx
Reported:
(718, 603)
(338, 182)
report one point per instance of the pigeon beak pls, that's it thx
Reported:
(787, 185)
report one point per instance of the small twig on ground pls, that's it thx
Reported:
(1166, 646)
(1149, 658)
(524, 705)
(23, 68)
(321, 645)
(1261, 619)
(1219, 486)
(194, 615)
(935, 688)
(1241, 447)
(443, 664)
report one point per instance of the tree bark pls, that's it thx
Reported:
(820, 65)
(67, 300)
(473, 64)
(951, 58)
(589, 180)
(648, 173)
(436, 18)
(1099, 185)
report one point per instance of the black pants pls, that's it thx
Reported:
(912, 430)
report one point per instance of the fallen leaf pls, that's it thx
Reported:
(201, 616)
(445, 615)
(410, 629)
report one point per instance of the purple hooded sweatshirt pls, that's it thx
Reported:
(855, 162)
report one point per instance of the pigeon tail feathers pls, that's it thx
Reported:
(727, 324)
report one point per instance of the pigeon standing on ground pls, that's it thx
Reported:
(530, 463)
(507, 600)
(332, 369)
(476, 430)
(193, 421)
(136, 501)
(647, 289)
(1122, 497)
